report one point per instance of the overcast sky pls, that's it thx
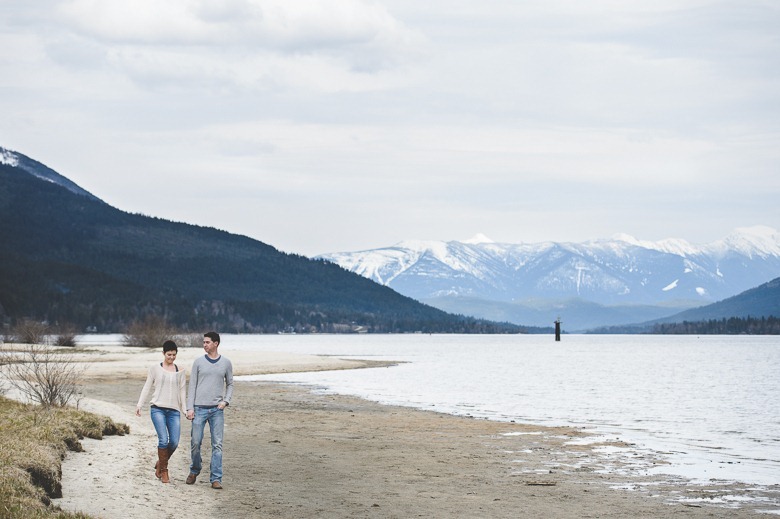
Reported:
(322, 126)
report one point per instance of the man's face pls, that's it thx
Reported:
(210, 346)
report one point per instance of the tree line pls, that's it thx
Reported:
(725, 326)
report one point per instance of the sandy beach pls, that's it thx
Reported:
(292, 454)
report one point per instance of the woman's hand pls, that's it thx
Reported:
(138, 411)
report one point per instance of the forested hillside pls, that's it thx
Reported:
(755, 311)
(72, 258)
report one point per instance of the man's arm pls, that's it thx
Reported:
(228, 385)
(191, 392)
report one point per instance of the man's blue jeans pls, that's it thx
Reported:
(216, 420)
(167, 423)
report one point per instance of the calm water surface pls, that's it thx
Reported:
(711, 403)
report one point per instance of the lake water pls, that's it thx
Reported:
(710, 403)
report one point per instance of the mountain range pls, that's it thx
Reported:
(68, 257)
(598, 283)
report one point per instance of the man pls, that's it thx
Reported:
(211, 387)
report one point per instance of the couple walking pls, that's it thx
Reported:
(211, 387)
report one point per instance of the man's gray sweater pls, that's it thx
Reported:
(210, 382)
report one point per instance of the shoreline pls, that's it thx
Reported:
(292, 453)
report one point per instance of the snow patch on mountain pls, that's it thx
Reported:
(676, 246)
(8, 157)
(759, 240)
(477, 239)
(40, 171)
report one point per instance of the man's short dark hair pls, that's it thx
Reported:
(214, 336)
(169, 346)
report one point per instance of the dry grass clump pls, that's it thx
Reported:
(33, 442)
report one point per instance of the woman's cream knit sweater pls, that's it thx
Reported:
(166, 387)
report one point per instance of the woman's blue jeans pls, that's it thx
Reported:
(167, 423)
(216, 420)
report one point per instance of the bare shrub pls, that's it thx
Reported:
(44, 375)
(65, 340)
(28, 331)
(189, 340)
(65, 335)
(152, 332)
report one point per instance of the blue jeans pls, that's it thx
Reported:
(216, 420)
(167, 423)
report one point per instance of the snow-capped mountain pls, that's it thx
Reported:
(665, 276)
(37, 169)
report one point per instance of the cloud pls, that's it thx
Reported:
(309, 25)
(243, 41)
(434, 119)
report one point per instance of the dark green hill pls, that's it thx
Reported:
(68, 256)
(761, 301)
(754, 311)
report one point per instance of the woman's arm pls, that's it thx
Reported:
(145, 391)
(182, 379)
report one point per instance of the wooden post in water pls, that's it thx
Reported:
(558, 330)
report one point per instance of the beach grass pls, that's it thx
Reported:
(33, 443)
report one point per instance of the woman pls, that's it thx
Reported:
(165, 383)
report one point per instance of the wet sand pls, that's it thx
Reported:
(292, 454)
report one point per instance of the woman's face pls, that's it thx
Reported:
(170, 356)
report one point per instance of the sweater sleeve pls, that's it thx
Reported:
(146, 391)
(228, 382)
(182, 380)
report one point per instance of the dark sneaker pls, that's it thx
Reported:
(191, 478)
(216, 485)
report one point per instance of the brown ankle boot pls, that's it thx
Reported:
(163, 455)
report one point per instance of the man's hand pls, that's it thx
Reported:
(190, 414)
(221, 405)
